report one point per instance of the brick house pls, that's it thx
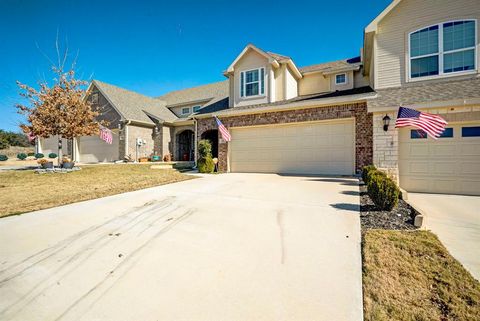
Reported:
(326, 118)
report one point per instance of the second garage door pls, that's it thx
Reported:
(450, 164)
(300, 148)
(93, 149)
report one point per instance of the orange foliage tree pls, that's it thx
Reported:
(58, 109)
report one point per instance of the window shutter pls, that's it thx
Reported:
(262, 81)
(241, 83)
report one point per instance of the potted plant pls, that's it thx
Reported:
(67, 163)
(167, 158)
(45, 163)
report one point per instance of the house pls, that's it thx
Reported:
(327, 118)
(424, 54)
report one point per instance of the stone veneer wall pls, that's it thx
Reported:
(363, 126)
(145, 133)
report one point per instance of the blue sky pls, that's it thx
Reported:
(153, 47)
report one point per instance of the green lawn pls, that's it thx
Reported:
(409, 275)
(25, 191)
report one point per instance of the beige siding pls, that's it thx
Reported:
(346, 86)
(251, 60)
(408, 16)
(313, 84)
(291, 85)
(279, 74)
(178, 109)
(359, 80)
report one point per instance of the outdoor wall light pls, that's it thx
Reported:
(386, 122)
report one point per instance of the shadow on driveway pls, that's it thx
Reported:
(346, 207)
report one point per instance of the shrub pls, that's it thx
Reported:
(4, 143)
(39, 155)
(167, 158)
(52, 155)
(42, 161)
(31, 154)
(382, 190)
(365, 171)
(21, 156)
(205, 165)
(3, 158)
(371, 173)
(204, 148)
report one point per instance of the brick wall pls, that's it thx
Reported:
(363, 126)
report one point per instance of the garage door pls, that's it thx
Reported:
(302, 148)
(450, 164)
(93, 149)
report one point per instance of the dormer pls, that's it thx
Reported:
(258, 77)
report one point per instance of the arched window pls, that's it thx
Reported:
(442, 49)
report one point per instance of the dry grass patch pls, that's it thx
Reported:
(409, 275)
(25, 191)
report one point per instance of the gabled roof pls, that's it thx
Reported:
(334, 66)
(134, 106)
(372, 26)
(196, 94)
(273, 58)
(270, 57)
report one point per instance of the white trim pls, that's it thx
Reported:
(441, 53)
(244, 72)
(343, 82)
(372, 26)
(260, 51)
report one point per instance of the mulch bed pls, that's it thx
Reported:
(400, 218)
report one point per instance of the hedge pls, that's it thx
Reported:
(3, 158)
(21, 156)
(52, 155)
(383, 191)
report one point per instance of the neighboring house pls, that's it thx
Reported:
(326, 118)
(424, 54)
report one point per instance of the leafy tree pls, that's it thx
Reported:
(59, 109)
(4, 142)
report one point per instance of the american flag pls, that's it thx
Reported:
(106, 135)
(224, 131)
(433, 125)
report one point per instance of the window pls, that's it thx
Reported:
(185, 110)
(340, 79)
(473, 131)
(447, 133)
(443, 49)
(252, 82)
(196, 108)
(94, 98)
(417, 133)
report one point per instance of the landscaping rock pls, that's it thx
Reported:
(56, 170)
(402, 217)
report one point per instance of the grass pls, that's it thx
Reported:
(409, 275)
(25, 191)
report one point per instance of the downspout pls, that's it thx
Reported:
(196, 142)
(127, 122)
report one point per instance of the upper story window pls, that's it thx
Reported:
(340, 79)
(443, 49)
(185, 110)
(196, 108)
(94, 98)
(252, 82)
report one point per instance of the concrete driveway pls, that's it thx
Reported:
(456, 221)
(222, 247)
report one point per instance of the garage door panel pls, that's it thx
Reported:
(92, 149)
(446, 165)
(310, 148)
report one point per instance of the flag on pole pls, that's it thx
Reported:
(223, 130)
(433, 125)
(106, 135)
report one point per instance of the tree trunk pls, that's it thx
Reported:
(59, 150)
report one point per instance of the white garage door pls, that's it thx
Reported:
(450, 164)
(93, 149)
(301, 148)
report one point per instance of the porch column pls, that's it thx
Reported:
(195, 139)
